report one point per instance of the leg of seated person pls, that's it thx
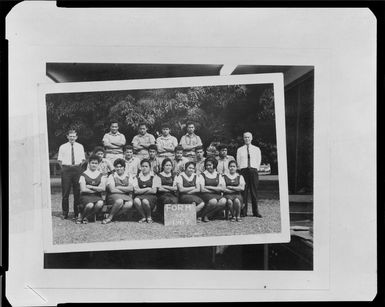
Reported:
(146, 208)
(88, 210)
(230, 207)
(115, 208)
(209, 208)
(127, 205)
(237, 208)
(138, 206)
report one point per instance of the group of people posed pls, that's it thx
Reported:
(149, 173)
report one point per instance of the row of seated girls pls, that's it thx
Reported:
(214, 195)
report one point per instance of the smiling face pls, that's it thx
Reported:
(72, 137)
(167, 167)
(179, 154)
(93, 165)
(114, 128)
(210, 167)
(190, 169)
(100, 154)
(145, 168)
(142, 129)
(119, 169)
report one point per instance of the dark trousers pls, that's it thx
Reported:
(251, 178)
(70, 178)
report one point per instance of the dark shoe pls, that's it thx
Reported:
(205, 219)
(64, 216)
(257, 215)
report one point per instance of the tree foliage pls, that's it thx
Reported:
(221, 113)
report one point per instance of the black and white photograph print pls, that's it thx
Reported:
(180, 162)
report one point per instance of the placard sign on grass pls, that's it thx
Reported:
(179, 214)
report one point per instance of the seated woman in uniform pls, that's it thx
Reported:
(167, 189)
(235, 185)
(212, 185)
(92, 184)
(105, 166)
(145, 188)
(120, 190)
(188, 184)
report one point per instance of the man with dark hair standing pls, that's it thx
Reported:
(189, 141)
(70, 157)
(199, 159)
(223, 159)
(249, 161)
(166, 143)
(142, 142)
(114, 142)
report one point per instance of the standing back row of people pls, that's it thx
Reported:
(71, 156)
(114, 142)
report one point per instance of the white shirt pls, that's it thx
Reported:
(255, 156)
(168, 141)
(117, 138)
(65, 156)
(132, 166)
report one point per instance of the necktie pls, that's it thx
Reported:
(72, 154)
(248, 157)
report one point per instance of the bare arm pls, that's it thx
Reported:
(142, 191)
(182, 189)
(84, 188)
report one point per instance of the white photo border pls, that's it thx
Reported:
(276, 79)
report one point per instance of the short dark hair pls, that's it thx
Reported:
(178, 148)
(212, 160)
(165, 126)
(93, 157)
(189, 123)
(222, 146)
(98, 148)
(113, 121)
(199, 148)
(189, 163)
(142, 124)
(153, 147)
(231, 162)
(145, 161)
(128, 147)
(120, 161)
(71, 130)
(164, 162)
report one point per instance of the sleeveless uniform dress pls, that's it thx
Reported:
(152, 199)
(185, 198)
(233, 182)
(86, 198)
(210, 182)
(112, 197)
(166, 197)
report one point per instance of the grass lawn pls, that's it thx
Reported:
(66, 231)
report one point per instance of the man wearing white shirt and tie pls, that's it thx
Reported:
(70, 157)
(249, 161)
